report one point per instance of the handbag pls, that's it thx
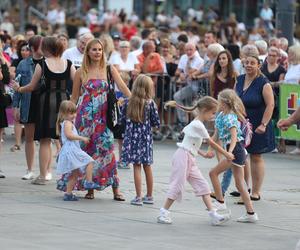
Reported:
(113, 110)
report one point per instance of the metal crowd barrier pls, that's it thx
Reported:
(165, 88)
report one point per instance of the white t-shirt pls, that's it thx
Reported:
(292, 75)
(126, 66)
(74, 55)
(196, 63)
(266, 14)
(194, 133)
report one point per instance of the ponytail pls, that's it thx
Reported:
(204, 103)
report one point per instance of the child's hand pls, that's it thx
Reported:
(170, 104)
(86, 140)
(209, 154)
(229, 156)
(121, 101)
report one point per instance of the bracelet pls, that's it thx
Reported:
(264, 124)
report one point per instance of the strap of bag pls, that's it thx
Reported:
(110, 80)
(43, 70)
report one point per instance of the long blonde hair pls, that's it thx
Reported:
(205, 103)
(142, 91)
(86, 62)
(66, 107)
(234, 103)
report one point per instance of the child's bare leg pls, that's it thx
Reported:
(89, 172)
(120, 144)
(207, 201)
(247, 173)
(137, 179)
(168, 203)
(149, 179)
(214, 176)
(72, 180)
(240, 185)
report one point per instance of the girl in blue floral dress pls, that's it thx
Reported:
(140, 114)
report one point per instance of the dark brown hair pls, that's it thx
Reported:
(34, 42)
(52, 45)
(231, 75)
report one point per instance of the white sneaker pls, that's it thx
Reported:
(28, 176)
(218, 219)
(48, 177)
(219, 206)
(164, 217)
(251, 218)
(296, 151)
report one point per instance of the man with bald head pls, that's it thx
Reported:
(149, 60)
(189, 63)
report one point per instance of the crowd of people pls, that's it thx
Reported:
(59, 95)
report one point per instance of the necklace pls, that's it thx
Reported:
(248, 82)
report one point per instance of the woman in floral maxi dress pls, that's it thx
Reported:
(90, 81)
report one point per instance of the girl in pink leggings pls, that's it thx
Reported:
(184, 166)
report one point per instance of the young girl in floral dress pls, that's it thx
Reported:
(140, 115)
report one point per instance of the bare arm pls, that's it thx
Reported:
(284, 124)
(72, 73)
(121, 85)
(34, 81)
(76, 86)
(68, 130)
(269, 101)
(219, 149)
(233, 133)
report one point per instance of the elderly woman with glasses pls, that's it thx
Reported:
(275, 74)
(125, 61)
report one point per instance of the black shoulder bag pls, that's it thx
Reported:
(113, 111)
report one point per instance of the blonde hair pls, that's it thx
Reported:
(86, 62)
(65, 108)
(234, 103)
(142, 91)
(275, 50)
(125, 76)
(205, 103)
(295, 50)
(108, 45)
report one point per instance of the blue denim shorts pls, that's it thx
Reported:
(239, 155)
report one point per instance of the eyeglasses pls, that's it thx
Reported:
(272, 55)
(124, 47)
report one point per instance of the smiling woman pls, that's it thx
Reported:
(257, 95)
(90, 90)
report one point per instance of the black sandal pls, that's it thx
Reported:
(255, 198)
(89, 196)
(119, 197)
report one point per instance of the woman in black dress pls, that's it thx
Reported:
(56, 72)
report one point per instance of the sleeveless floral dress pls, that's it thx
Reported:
(91, 122)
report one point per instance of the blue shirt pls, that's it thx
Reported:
(223, 124)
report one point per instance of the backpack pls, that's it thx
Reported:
(247, 132)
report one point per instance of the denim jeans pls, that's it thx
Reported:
(185, 94)
(226, 180)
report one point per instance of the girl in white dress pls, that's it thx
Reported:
(72, 159)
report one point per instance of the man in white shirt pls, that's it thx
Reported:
(75, 54)
(266, 14)
(188, 64)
